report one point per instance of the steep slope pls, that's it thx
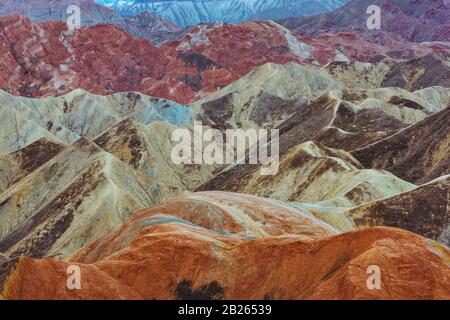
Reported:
(150, 26)
(351, 46)
(265, 96)
(148, 149)
(123, 63)
(412, 74)
(79, 113)
(43, 59)
(272, 93)
(412, 20)
(419, 73)
(17, 165)
(47, 10)
(72, 199)
(424, 210)
(145, 25)
(313, 174)
(22, 125)
(191, 12)
(418, 153)
(168, 258)
(348, 121)
(6, 266)
(228, 214)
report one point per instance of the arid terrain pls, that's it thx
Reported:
(87, 176)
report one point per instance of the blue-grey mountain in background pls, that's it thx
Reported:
(190, 12)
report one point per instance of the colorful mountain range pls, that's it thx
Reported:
(88, 119)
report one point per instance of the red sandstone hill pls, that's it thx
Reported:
(144, 25)
(164, 257)
(43, 59)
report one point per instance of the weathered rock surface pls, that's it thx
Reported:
(358, 75)
(351, 46)
(86, 59)
(70, 200)
(312, 173)
(46, 10)
(413, 74)
(424, 210)
(54, 191)
(418, 153)
(199, 263)
(148, 149)
(412, 20)
(56, 197)
(43, 59)
(152, 27)
(17, 165)
(419, 73)
(144, 25)
(3, 258)
(272, 93)
(6, 267)
(348, 121)
(229, 214)
(79, 113)
(266, 96)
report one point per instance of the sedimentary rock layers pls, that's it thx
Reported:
(43, 59)
(94, 123)
(201, 264)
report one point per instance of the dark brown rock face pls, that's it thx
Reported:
(301, 127)
(419, 73)
(17, 165)
(326, 120)
(424, 210)
(3, 258)
(419, 153)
